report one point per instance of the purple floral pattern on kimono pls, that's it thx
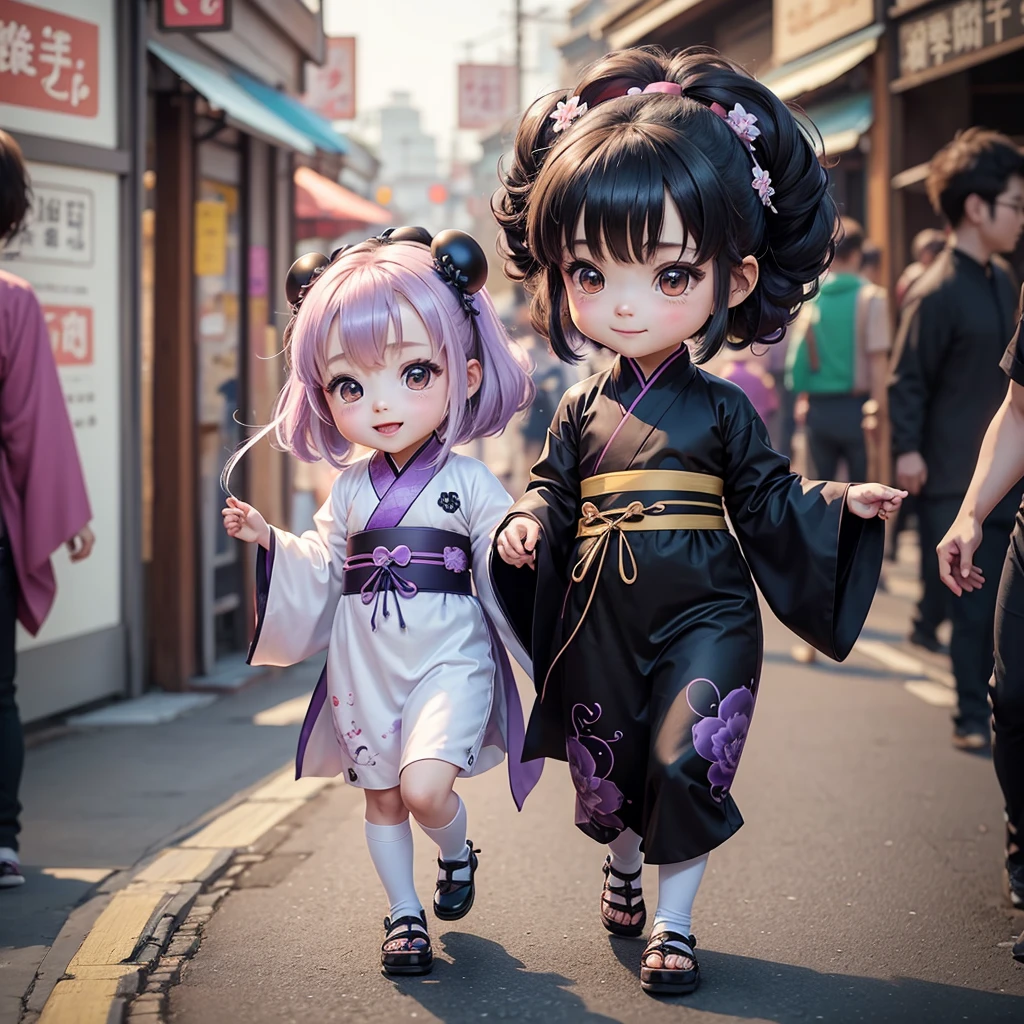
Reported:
(719, 736)
(597, 797)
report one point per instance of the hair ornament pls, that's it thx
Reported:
(671, 88)
(743, 127)
(302, 275)
(459, 259)
(566, 113)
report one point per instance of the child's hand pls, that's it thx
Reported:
(517, 543)
(243, 522)
(870, 500)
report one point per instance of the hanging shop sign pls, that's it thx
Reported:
(487, 95)
(800, 26)
(957, 35)
(331, 88)
(195, 15)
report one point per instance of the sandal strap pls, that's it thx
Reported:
(627, 891)
(413, 925)
(449, 867)
(610, 869)
(671, 944)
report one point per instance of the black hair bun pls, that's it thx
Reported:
(409, 234)
(302, 273)
(464, 253)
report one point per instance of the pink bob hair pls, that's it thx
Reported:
(359, 294)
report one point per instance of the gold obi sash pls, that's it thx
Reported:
(638, 499)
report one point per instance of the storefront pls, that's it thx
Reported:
(223, 131)
(956, 64)
(67, 86)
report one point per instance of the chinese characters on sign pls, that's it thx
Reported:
(331, 89)
(48, 61)
(957, 30)
(60, 228)
(800, 26)
(70, 330)
(487, 95)
(212, 15)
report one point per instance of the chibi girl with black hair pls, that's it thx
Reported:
(666, 205)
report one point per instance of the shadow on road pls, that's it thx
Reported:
(746, 988)
(485, 977)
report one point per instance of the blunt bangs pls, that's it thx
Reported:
(618, 182)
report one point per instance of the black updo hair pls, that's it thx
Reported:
(618, 159)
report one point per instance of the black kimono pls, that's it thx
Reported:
(642, 618)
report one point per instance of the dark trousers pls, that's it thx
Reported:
(934, 607)
(834, 432)
(1008, 692)
(12, 744)
(973, 615)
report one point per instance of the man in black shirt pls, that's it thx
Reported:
(1000, 466)
(946, 385)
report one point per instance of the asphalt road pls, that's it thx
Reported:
(865, 886)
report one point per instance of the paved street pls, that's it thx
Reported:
(865, 886)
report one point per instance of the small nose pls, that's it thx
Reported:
(623, 309)
(380, 404)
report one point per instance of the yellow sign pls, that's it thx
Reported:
(211, 249)
(384, 195)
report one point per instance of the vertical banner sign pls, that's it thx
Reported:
(331, 89)
(58, 70)
(69, 253)
(195, 15)
(487, 95)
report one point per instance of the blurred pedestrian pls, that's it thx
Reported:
(946, 386)
(841, 361)
(871, 264)
(926, 246)
(996, 477)
(43, 503)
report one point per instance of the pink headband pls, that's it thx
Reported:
(741, 123)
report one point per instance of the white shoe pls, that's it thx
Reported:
(10, 869)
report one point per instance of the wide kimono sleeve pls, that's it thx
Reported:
(816, 563)
(530, 598)
(489, 503)
(298, 586)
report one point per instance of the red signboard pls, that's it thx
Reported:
(331, 89)
(70, 330)
(487, 95)
(48, 61)
(195, 15)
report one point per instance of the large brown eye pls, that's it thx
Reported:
(350, 391)
(674, 281)
(590, 280)
(417, 377)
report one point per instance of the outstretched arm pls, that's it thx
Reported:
(1000, 466)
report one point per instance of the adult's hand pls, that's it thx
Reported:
(911, 472)
(956, 553)
(80, 546)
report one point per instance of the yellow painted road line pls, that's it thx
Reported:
(80, 1002)
(286, 787)
(91, 875)
(177, 866)
(242, 825)
(116, 933)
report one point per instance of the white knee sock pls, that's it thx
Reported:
(626, 856)
(391, 853)
(451, 841)
(677, 888)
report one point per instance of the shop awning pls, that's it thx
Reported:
(325, 209)
(317, 128)
(842, 122)
(239, 107)
(811, 72)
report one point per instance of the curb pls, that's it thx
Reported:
(120, 952)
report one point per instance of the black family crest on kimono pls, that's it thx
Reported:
(642, 615)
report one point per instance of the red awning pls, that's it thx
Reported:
(325, 208)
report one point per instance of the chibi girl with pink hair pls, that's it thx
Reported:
(396, 346)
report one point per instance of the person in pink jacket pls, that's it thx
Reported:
(43, 502)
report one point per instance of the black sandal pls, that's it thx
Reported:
(453, 898)
(410, 959)
(627, 892)
(664, 980)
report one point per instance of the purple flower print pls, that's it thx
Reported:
(743, 123)
(597, 799)
(455, 559)
(720, 739)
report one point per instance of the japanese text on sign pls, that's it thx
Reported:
(487, 95)
(957, 30)
(195, 14)
(59, 228)
(48, 61)
(70, 330)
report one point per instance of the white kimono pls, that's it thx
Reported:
(394, 695)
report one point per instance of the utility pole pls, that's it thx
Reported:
(518, 16)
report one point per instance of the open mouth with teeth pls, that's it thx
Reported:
(388, 429)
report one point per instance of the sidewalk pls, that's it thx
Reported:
(100, 799)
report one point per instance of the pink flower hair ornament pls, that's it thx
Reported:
(743, 126)
(567, 112)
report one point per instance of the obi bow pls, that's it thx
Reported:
(386, 577)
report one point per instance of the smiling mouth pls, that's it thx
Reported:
(387, 429)
(618, 330)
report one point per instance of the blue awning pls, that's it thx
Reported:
(842, 122)
(318, 129)
(239, 106)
